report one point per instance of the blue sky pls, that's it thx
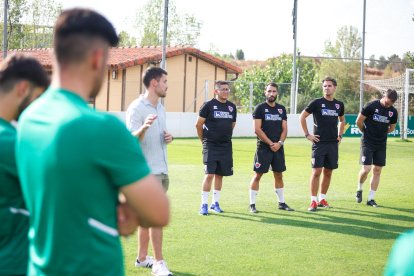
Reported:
(263, 28)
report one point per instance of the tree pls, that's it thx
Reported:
(347, 72)
(183, 29)
(372, 62)
(382, 63)
(278, 70)
(239, 54)
(408, 59)
(30, 23)
(395, 63)
(126, 40)
(347, 45)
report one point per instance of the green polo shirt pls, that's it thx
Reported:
(401, 258)
(14, 222)
(72, 161)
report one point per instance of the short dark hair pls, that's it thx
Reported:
(392, 95)
(219, 83)
(152, 73)
(273, 84)
(331, 80)
(74, 30)
(18, 67)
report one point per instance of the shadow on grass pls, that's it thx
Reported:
(323, 221)
(378, 214)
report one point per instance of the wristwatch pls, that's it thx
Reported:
(281, 143)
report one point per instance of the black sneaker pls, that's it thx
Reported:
(358, 196)
(253, 208)
(284, 206)
(372, 203)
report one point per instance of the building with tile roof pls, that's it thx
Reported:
(188, 70)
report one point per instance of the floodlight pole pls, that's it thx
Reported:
(361, 84)
(293, 86)
(164, 36)
(5, 29)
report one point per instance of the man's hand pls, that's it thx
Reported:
(313, 138)
(275, 147)
(168, 138)
(149, 120)
(127, 219)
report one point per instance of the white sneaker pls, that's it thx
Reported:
(149, 261)
(160, 269)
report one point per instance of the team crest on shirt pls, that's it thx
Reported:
(231, 109)
(280, 110)
(337, 106)
(376, 110)
(323, 105)
(390, 113)
(214, 107)
(363, 158)
(257, 165)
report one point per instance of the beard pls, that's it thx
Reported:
(270, 99)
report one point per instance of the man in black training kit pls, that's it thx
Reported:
(325, 139)
(376, 120)
(215, 124)
(270, 126)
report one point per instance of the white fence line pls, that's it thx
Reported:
(182, 124)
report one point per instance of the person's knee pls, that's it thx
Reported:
(316, 172)
(377, 170)
(327, 172)
(209, 177)
(366, 169)
(278, 176)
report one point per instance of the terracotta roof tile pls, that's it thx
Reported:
(124, 57)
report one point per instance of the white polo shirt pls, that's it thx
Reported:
(153, 145)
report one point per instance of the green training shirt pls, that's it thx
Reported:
(14, 220)
(72, 161)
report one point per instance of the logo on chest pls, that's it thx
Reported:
(272, 117)
(222, 115)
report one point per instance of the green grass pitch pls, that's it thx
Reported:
(349, 239)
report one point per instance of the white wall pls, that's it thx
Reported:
(182, 124)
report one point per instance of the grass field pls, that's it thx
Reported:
(349, 239)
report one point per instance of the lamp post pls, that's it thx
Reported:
(5, 29)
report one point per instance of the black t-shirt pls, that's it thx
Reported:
(220, 117)
(325, 118)
(272, 118)
(377, 122)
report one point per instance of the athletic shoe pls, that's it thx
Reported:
(313, 206)
(284, 206)
(358, 196)
(149, 261)
(216, 207)
(253, 208)
(204, 210)
(324, 203)
(160, 269)
(372, 203)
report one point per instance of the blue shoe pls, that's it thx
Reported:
(204, 209)
(216, 207)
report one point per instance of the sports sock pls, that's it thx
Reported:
(322, 196)
(280, 195)
(216, 196)
(253, 195)
(314, 198)
(359, 187)
(371, 195)
(204, 197)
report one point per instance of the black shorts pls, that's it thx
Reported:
(218, 160)
(265, 157)
(325, 155)
(373, 154)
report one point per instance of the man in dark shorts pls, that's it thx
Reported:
(215, 124)
(270, 126)
(325, 139)
(376, 120)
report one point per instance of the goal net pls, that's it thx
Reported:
(404, 85)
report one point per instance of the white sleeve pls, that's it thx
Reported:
(134, 120)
